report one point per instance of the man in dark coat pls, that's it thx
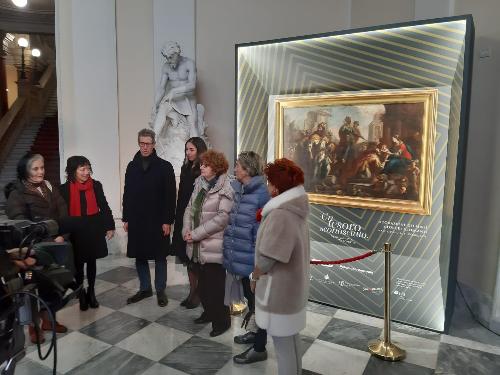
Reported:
(148, 213)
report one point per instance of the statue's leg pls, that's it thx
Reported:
(193, 124)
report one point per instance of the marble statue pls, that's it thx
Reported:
(175, 116)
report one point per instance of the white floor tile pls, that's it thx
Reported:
(75, 319)
(331, 359)
(72, 350)
(148, 309)
(470, 344)
(359, 318)
(154, 341)
(315, 323)
(419, 351)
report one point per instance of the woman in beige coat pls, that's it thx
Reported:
(281, 274)
(205, 219)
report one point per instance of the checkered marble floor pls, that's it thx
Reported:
(146, 339)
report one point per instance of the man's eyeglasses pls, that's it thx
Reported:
(145, 144)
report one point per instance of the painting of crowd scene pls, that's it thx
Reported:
(369, 151)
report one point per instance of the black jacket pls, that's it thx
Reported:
(88, 237)
(148, 203)
(30, 205)
(186, 186)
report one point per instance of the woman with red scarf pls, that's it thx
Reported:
(85, 199)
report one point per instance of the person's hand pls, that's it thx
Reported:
(166, 229)
(26, 263)
(170, 95)
(59, 239)
(110, 234)
(188, 237)
(29, 261)
(257, 272)
(125, 227)
(253, 284)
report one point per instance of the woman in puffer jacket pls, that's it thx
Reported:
(205, 219)
(250, 195)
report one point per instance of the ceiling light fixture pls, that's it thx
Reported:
(20, 3)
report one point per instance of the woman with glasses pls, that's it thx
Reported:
(205, 219)
(85, 199)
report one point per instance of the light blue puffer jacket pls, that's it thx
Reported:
(241, 232)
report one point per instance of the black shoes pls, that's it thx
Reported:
(139, 296)
(91, 299)
(218, 331)
(162, 298)
(84, 305)
(188, 304)
(202, 319)
(246, 338)
(250, 356)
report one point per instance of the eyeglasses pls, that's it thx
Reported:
(145, 144)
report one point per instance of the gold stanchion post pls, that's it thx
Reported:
(385, 349)
(237, 308)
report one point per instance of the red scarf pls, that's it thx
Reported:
(74, 198)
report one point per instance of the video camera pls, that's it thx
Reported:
(53, 271)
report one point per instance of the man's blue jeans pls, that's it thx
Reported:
(142, 267)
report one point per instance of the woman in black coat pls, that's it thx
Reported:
(190, 170)
(85, 199)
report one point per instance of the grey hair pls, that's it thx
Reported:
(251, 162)
(146, 133)
(24, 165)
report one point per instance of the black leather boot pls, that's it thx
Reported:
(91, 298)
(84, 303)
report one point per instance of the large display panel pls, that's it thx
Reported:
(377, 119)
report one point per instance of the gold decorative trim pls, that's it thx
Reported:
(427, 96)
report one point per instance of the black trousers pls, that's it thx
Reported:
(261, 334)
(91, 272)
(211, 286)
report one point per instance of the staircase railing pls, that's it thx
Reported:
(11, 125)
(30, 104)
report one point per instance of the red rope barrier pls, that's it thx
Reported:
(347, 260)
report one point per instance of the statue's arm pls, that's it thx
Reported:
(161, 89)
(189, 87)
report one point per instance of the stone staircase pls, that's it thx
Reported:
(24, 144)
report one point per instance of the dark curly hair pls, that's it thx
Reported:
(284, 174)
(215, 160)
(75, 162)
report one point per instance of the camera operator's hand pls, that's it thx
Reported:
(26, 263)
(59, 239)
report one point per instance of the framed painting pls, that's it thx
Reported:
(368, 149)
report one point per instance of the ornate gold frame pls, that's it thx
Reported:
(427, 96)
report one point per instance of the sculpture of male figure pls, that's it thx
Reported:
(175, 98)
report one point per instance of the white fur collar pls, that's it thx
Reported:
(286, 196)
